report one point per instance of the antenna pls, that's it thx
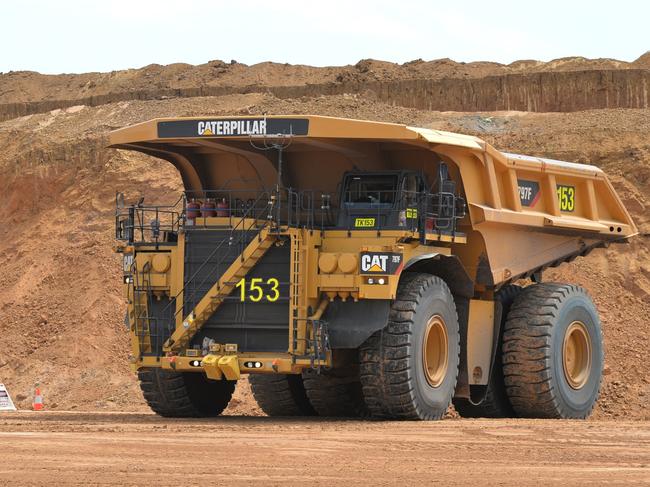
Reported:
(278, 142)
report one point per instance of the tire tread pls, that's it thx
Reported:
(281, 394)
(527, 351)
(385, 372)
(175, 395)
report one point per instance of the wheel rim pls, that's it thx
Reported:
(435, 351)
(576, 355)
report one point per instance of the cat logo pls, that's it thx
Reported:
(374, 263)
(231, 127)
(380, 263)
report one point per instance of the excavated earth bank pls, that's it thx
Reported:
(61, 307)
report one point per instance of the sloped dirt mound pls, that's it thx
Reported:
(566, 84)
(61, 308)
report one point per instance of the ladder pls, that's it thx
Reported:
(220, 290)
(297, 297)
(141, 294)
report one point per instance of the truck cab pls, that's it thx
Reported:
(379, 199)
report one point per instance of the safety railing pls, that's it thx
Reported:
(284, 207)
(139, 223)
(420, 211)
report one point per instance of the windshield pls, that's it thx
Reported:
(371, 189)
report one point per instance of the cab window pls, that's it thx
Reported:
(371, 190)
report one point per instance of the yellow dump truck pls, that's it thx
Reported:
(357, 268)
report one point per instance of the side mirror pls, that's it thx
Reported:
(461, 207)
(155, 228)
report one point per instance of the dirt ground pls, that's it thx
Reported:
(66, 448)
(61, 304)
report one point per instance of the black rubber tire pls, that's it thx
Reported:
(281, 394)
(392, 370)
(184, 394)
(496, 403)
(533, 348)
(336, 392)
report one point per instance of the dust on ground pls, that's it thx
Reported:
(139, 449)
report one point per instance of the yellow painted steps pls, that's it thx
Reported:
(221, 289)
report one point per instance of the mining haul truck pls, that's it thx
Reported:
(357, 268)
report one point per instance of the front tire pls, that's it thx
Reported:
(409, 368)
(184, 394)
(553, 352)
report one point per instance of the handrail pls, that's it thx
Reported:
(421, 212)
(214, 251)
(207, 259)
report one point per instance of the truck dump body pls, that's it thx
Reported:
(565, 209)
(300, 241)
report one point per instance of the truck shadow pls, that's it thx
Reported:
(113, 417)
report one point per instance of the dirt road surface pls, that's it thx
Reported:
(61, 448)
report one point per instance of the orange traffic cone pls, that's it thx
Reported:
(37, 405)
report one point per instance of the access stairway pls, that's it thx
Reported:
(220, 290)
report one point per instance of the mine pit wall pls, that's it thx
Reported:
(566, 91)
(535, 92)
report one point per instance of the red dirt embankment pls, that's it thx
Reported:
(61, 308)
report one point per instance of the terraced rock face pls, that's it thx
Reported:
(561, 85)
(61, 311)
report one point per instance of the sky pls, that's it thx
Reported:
(74, 36)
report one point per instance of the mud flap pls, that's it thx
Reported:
(478, 393)
(350, 324)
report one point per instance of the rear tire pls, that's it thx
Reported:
(409, 368)
(336, 392)
(553, 352)
(281, 394)
(184, 394)
(496, 403)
